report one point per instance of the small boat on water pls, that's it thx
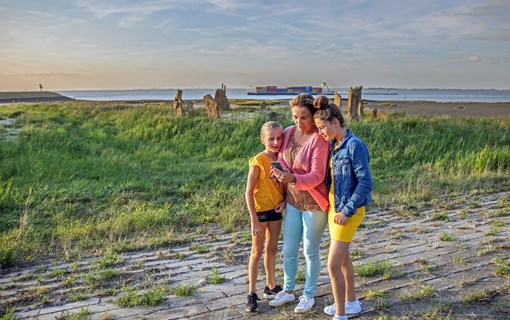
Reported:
(274, 90)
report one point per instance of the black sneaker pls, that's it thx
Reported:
(270, 294)
(252, 305)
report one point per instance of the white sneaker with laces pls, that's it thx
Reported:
(282, 298)
(304, 305)
(350, 308)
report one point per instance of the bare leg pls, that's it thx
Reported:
(272, 236)
(348, 272)
(338, 254)
(257, 246)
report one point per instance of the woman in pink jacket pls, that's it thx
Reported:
(304, 155)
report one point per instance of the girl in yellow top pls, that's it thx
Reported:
(265, 202)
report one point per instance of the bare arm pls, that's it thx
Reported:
(253, 175)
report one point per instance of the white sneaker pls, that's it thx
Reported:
(304, 305)
(282, 298)
(330, 310)
(350, 308)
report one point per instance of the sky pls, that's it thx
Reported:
(132, 44)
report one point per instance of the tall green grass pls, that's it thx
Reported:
(83, 177)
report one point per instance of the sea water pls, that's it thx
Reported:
(377, 94)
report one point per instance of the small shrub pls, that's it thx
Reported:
(446, 236)
(83, 314)
(425, 266)
(497, 224)
(355, 255)
(467, 282)
(457, 259)
(422, 292)
(9, 314)
(371, 268)
(229, 255)
(216, 278)
(77, 296)
(56, 273)
(476, 296)
(503, 268)
(185, 290)
(381, 305)
(109, 260)
(151, 297)
(487, 250)
(371, 294)
(441, 216)
(178, 255)
(493, 231)
(200, 248)
(95, 278)
(9, 251)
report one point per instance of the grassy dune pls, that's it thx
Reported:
(87, 177)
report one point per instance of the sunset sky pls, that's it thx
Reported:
(127, 44)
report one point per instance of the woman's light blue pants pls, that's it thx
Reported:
(297, 223)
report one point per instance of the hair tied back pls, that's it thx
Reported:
(321, 103)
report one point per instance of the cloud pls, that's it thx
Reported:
(496, 36)
(473, 59)
(131, 13)
(43, 74)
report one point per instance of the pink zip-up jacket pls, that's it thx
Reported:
(309, 166)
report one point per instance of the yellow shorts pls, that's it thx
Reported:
(346, 232)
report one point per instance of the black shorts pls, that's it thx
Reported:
(270, 215)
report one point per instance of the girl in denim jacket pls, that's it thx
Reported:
(350, 185)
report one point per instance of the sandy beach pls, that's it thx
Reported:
(453, 109)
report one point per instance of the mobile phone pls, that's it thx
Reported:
(277, 165)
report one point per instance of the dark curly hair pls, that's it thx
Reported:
(327, 111)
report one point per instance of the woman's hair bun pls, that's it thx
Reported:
(321, 102)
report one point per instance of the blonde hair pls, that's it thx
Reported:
(268, 126)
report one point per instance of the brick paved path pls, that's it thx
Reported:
(452, 259)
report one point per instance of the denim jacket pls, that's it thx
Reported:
(351, 171)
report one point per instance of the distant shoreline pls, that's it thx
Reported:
(454, 109)
(32, 96)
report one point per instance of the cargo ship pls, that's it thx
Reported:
(274, 90)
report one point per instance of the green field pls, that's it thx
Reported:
(84, 178)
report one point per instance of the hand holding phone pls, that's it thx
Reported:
(277, 165)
